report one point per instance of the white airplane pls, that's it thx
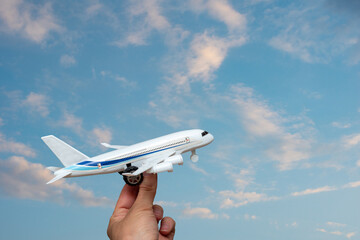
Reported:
(152, 156)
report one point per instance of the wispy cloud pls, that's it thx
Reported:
(303, 32)
(25, 180)
(314, 190)
(147, 16)
(204, 213)
(233, 199)
(11, 146)
(340, 125)
(34, 22)
(102, 135)
(250, 217)
(67, 60)
(351, 140)
(36, 102)
(262, 123)
(197, 169)
(335, 224)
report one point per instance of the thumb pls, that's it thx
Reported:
(147, 190)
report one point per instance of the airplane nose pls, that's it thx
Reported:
(211, 137)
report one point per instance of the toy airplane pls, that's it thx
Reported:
(152, 156)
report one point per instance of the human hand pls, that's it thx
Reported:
(135, 216)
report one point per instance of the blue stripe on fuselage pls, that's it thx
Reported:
(90, 165)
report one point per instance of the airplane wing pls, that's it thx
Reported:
(113, 146)
(150, 162)
(59, 176)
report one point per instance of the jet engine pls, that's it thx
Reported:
(177, 159)
(162, 167)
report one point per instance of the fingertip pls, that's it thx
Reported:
(158, 212)
(167, 226)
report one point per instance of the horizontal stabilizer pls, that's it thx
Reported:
(53, 169)
(59, 176)
(113, 146)
(66, 153)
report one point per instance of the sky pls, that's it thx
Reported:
(275, 82)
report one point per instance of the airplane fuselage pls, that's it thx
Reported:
(118, 160)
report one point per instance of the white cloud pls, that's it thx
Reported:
(314, 190)
(358, 163)
(166, 203)
(335, 224)
(233, 199)
(338, 233)
(207, 52)
(11, 146)
(102, 135)
(25, 180)
(340, 125)
(350, 235)
(71, 121)
(125, 82)
(352, 185)
(32, 21)
(197, 169)
(67, 60)
(38, 103)
(262, 123)
(221, 10)
(321, 230)
(249, 217)
(146, 16)
(351, 140)
(310, 32)
(203, 213)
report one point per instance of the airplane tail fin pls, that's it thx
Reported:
(66, 153)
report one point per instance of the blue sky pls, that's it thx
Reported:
(276, 83)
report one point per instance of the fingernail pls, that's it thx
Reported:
(164, 226)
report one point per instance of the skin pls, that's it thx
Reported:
(135, 216)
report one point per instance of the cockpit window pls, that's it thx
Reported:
(204, 133)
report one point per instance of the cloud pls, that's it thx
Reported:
(310, 32)
(203, 213)
(102, 135)
(264, 124)
(166, 203)
(25, 180)
(233, 199)
(145, 17)
(335, 224)
(207, 52)
(340, 125)
(37, 103)
(93, 137)
(198, 169)
(11, 146)
(338, 233)
(358, 163)
(351, 140)
(32, 21)
(1, 122)
(350, 235)
(249, 217)
(352, 185)
(125, 82)
(71, 121)
(314, 190)
(67, 60)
